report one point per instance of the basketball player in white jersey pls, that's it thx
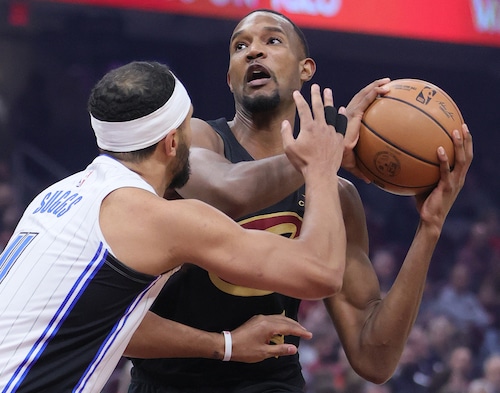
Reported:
(91, 252)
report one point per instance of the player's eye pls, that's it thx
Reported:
(274, 40)
(239, 46)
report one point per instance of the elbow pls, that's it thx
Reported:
(333, 286)
(330, 265)
(328, 282)
(378, 377)
(376, 372)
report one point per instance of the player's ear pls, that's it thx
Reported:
(307, 69)
(170, 143)
(228, 79)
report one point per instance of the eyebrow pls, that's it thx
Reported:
(236, 34)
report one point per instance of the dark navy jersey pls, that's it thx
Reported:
(200, 299)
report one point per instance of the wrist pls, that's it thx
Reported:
(431, 230)
(228, 346)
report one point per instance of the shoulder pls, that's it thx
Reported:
(205, 136)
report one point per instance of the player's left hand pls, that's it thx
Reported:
(434, 206)
(256, 339)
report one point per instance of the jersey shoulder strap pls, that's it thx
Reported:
(233, 151)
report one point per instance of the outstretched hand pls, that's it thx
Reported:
(317, 146)
(254, 341)
(354, 112)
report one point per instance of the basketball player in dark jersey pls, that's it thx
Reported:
(222, 306)
(268, 60)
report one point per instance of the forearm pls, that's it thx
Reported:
(387, 329)
(258, 184)
(157, 337)
(405, 296)
(319, 221)
(241, 188)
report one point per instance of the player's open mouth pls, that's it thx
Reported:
(257, 75)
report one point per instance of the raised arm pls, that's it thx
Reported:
(245, 187)
(241, 188)
(374, 330)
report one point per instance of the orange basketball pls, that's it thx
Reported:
(400, 134)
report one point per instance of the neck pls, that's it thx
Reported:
(260, 134)
(152, 172)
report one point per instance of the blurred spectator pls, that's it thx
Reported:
(473, 203)
(319, 355)
(325, 365)
(457, 375)
(407, 377)
(346, 380)
(492, 372)
(476, 253)
(443, 337)
(489, 295)
(322, 383)
(490, 380)
(373, 388)
(385, 264)
(478, 386)
(462, 305)
(420, 343)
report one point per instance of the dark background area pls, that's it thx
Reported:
(50, 61)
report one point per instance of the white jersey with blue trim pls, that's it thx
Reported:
(68, 307)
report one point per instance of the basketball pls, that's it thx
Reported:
(400, 133)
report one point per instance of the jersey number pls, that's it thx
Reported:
(14, 249)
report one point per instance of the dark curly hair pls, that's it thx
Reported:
(130, 92)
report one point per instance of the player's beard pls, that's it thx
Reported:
(184, 170)
(260, 103)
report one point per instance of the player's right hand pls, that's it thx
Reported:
(354, 112)
(258, 338)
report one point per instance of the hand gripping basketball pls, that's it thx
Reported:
(400, 133)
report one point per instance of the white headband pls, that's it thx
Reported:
(137, 134)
